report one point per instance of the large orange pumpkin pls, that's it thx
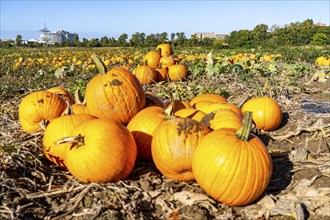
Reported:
(266, 113)
(59, 128)
(173, 144)
(100, 151)
(233, 167)
(37, 109)
(117, 95)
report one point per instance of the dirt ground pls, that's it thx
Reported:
(33, 188)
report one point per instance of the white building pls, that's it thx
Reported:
(62, 36)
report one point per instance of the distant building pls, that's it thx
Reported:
(202, 35)
(320, 24)
(62, 36)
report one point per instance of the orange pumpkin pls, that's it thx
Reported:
(207, 97)
(117, 95)
(190, 113)
(177, 72)
(37, 109)
(166, 61)
(143, 125)
(59, 128)
(145, 74)
(173, 144)
(222, 118)
(233, 167)
(208, 107)
(162, 74)
(151, 59)
(64, 93)
(79, 106)
(165, 49)
(266, 113)
(99, 151)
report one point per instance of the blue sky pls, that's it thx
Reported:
(113, 18)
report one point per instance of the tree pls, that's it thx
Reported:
(122, 40)
(18, 40)
(104, 41)
(259, 34)
(319, 39)
(76, 41)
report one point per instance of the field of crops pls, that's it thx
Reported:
(33, 187)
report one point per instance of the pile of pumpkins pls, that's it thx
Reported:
(160, 65)
(206, 140)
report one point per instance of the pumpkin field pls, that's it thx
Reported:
(165, 133)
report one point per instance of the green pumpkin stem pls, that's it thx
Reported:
(243, 132)
(100, 65)
(259, 91)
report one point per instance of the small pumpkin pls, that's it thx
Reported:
(117, 95)
(207, 97)
(177, 72)
(208, 107)
(173, 144)
(233, 167)
(151, 59)
(37, 109)
(162, 74)
(166, 61)
(266, 113)
(99, 151)
(222, 118)
(145, 74)
(165, 49)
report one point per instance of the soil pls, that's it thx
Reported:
(33, 188)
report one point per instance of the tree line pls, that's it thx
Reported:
(293, 34)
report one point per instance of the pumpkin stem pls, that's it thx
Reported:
(78, 97)
(170, 108)
(243, 132)
(68, 110)
(259, 92)
(100, 65)
(43, 124)
(76, 141)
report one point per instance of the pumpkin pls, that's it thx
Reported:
(207, 97)
(151, 59)
(145, 74)
(64, 93)
(99, 151)
(166, 61)
(165, 49)
(233, 167)
(208, 107)
(59, 128)
(190, 113)
(37, 109)
(173, 144)
(142, 126)
(162, 74)
(177, 72)
(222, 118)
(266, 113)
(117, 95)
